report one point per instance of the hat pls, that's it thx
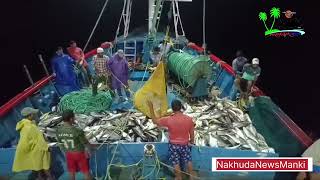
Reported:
(100, 50)
(28, 111)
(120, 51)
(255, 61)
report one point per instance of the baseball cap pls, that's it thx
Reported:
(28, 111)
(255, 61)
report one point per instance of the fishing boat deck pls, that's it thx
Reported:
(263, 108)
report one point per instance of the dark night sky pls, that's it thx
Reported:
(287, 63)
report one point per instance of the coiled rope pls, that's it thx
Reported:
(83, 102)
(189, 68)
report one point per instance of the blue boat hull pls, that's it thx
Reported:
(131, 153)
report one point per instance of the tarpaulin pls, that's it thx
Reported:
(32, 151)
(66, 79)
(153, 90)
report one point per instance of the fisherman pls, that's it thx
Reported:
(181, 135)
(119, 70)
(72, 141)
(239, 62)
(251, 72)
(155, 56)
(237, 65)
(314, 152)
(32, 152)
(77, 54)
(102, 74)
(63, 70)
(165, 48)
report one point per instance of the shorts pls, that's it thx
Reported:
(179, 154)
(77, 161)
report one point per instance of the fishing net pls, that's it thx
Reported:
(83, 102)
(189, 68)
(265, 117)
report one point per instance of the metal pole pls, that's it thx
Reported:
(204, 26)
(28, 75)
(43, 65)
(47, 73)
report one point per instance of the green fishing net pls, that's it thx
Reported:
(83, 102)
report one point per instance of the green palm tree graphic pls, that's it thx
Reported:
(263, 17)
(275, 13)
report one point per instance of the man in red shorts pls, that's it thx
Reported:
(181, 134)
(72, 141)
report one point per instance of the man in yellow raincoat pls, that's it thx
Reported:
(32, 152)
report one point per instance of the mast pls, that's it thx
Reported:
(151, 3)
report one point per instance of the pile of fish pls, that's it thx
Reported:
(107, 127)
(218, 123)
(222, 124)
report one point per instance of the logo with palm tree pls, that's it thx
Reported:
(275, 14)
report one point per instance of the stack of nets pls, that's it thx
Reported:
(82, 102)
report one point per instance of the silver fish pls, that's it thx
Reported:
(239, 133)
(213, 142)
(249, 134)
(233, 147)
(253, 145)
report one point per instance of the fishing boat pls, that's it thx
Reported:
(279, 131)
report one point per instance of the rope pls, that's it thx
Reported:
(125, 86)
(157, 166)
(164, 164)
(95, 26)
(204, 26)
(83, 102)
(188, 68)
(144, 74)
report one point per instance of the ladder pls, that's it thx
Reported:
(154, 16)
(125, 17)
(176, 19)
(130, 50)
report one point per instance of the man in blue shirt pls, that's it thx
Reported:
(239, 62)
(63, 68)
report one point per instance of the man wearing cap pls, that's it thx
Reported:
(251, 72)
(181, 135)
(119, 70)
(102, 73)
(32, 152)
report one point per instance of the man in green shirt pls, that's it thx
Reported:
(72, 141)
(251, 72)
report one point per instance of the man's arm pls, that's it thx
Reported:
(191, 132)
(234, 65)
(155, 120)
(84, 140)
